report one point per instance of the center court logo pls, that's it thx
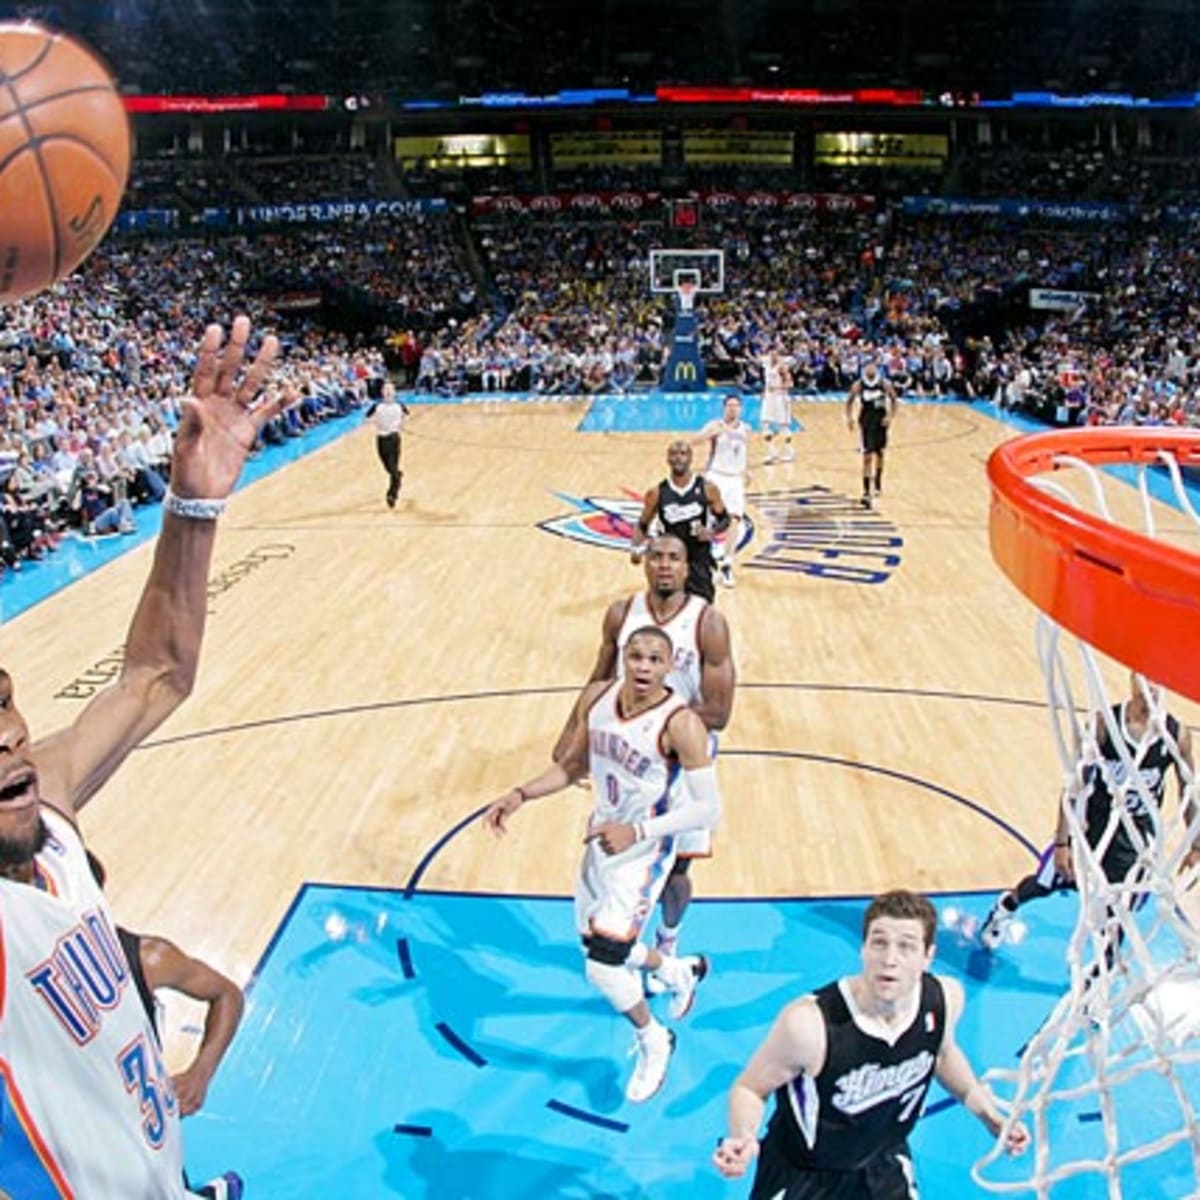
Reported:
(609, 522)
(809, 531)
(815, 531)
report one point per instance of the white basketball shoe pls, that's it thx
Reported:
(652, 1048)
(682, 977)
(991, 932)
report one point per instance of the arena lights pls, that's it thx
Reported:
(266, 102)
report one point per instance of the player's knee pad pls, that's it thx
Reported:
(620, 986)
(610, 952)
(679, 867)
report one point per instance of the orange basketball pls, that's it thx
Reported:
(64, 156)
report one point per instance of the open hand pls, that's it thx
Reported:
(222, 416)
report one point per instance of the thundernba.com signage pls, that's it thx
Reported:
(328, 211)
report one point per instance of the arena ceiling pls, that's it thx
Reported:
(448, 47)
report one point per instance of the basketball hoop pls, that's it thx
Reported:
(1109, 1085)
(685, 291)
(1129, 594)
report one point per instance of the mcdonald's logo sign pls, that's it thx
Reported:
(685, 370)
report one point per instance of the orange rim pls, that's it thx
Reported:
(1134, 598)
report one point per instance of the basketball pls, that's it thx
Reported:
(64, 156)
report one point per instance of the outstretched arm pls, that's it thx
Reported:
(954, 1073)
(561, 774)
(165, 965)
(221, 419)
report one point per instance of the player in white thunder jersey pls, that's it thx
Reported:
(682, 625)
(728, 439)
(637, 735)
(79, 1049)
(776, 405)
(702, 670)
(87, 1111)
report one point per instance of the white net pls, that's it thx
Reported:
(1108, 1085)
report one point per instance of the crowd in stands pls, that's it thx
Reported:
(1082, 171)
(576, 313)
(193, 183)
(190, 184)
(94, 372)
(1130, 355)
(832, 289)
(411, 268)
(307, 178)
(1091, 168)
(578, 317)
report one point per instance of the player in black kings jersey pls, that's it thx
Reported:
(1150, 753)
(875, 400)
(850, 1065)
(689, 507)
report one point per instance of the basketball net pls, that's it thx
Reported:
(1112, 1076)
(686, 291)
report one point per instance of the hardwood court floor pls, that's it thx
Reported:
(371, 678)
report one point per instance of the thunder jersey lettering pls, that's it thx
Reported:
(631, 773)
(87, 1107)
(727, 455)
(774, 376)
(684, 631)
(869, 1094)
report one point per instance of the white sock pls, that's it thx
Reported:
(648, 1033)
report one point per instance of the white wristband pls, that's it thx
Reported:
(193, 510)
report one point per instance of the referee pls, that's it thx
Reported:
(388, 413)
